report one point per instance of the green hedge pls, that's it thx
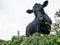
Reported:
(35, 39)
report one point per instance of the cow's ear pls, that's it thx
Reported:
(29, 11)
(45, 4)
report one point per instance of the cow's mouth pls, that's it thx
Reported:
(40, 18)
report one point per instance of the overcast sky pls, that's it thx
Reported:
(13, 16)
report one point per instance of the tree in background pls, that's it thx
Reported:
(56, 25)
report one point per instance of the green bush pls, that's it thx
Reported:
(35, 39)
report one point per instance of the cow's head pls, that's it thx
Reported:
(38, 10)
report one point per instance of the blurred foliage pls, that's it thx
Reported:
(56, 28)
(3, 42)
(35, 39)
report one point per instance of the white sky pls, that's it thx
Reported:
(13, 16)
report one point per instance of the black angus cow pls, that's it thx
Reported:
(41, 23)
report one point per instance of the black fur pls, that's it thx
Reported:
(38, 24)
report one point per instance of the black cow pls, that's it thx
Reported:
(41, 23)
